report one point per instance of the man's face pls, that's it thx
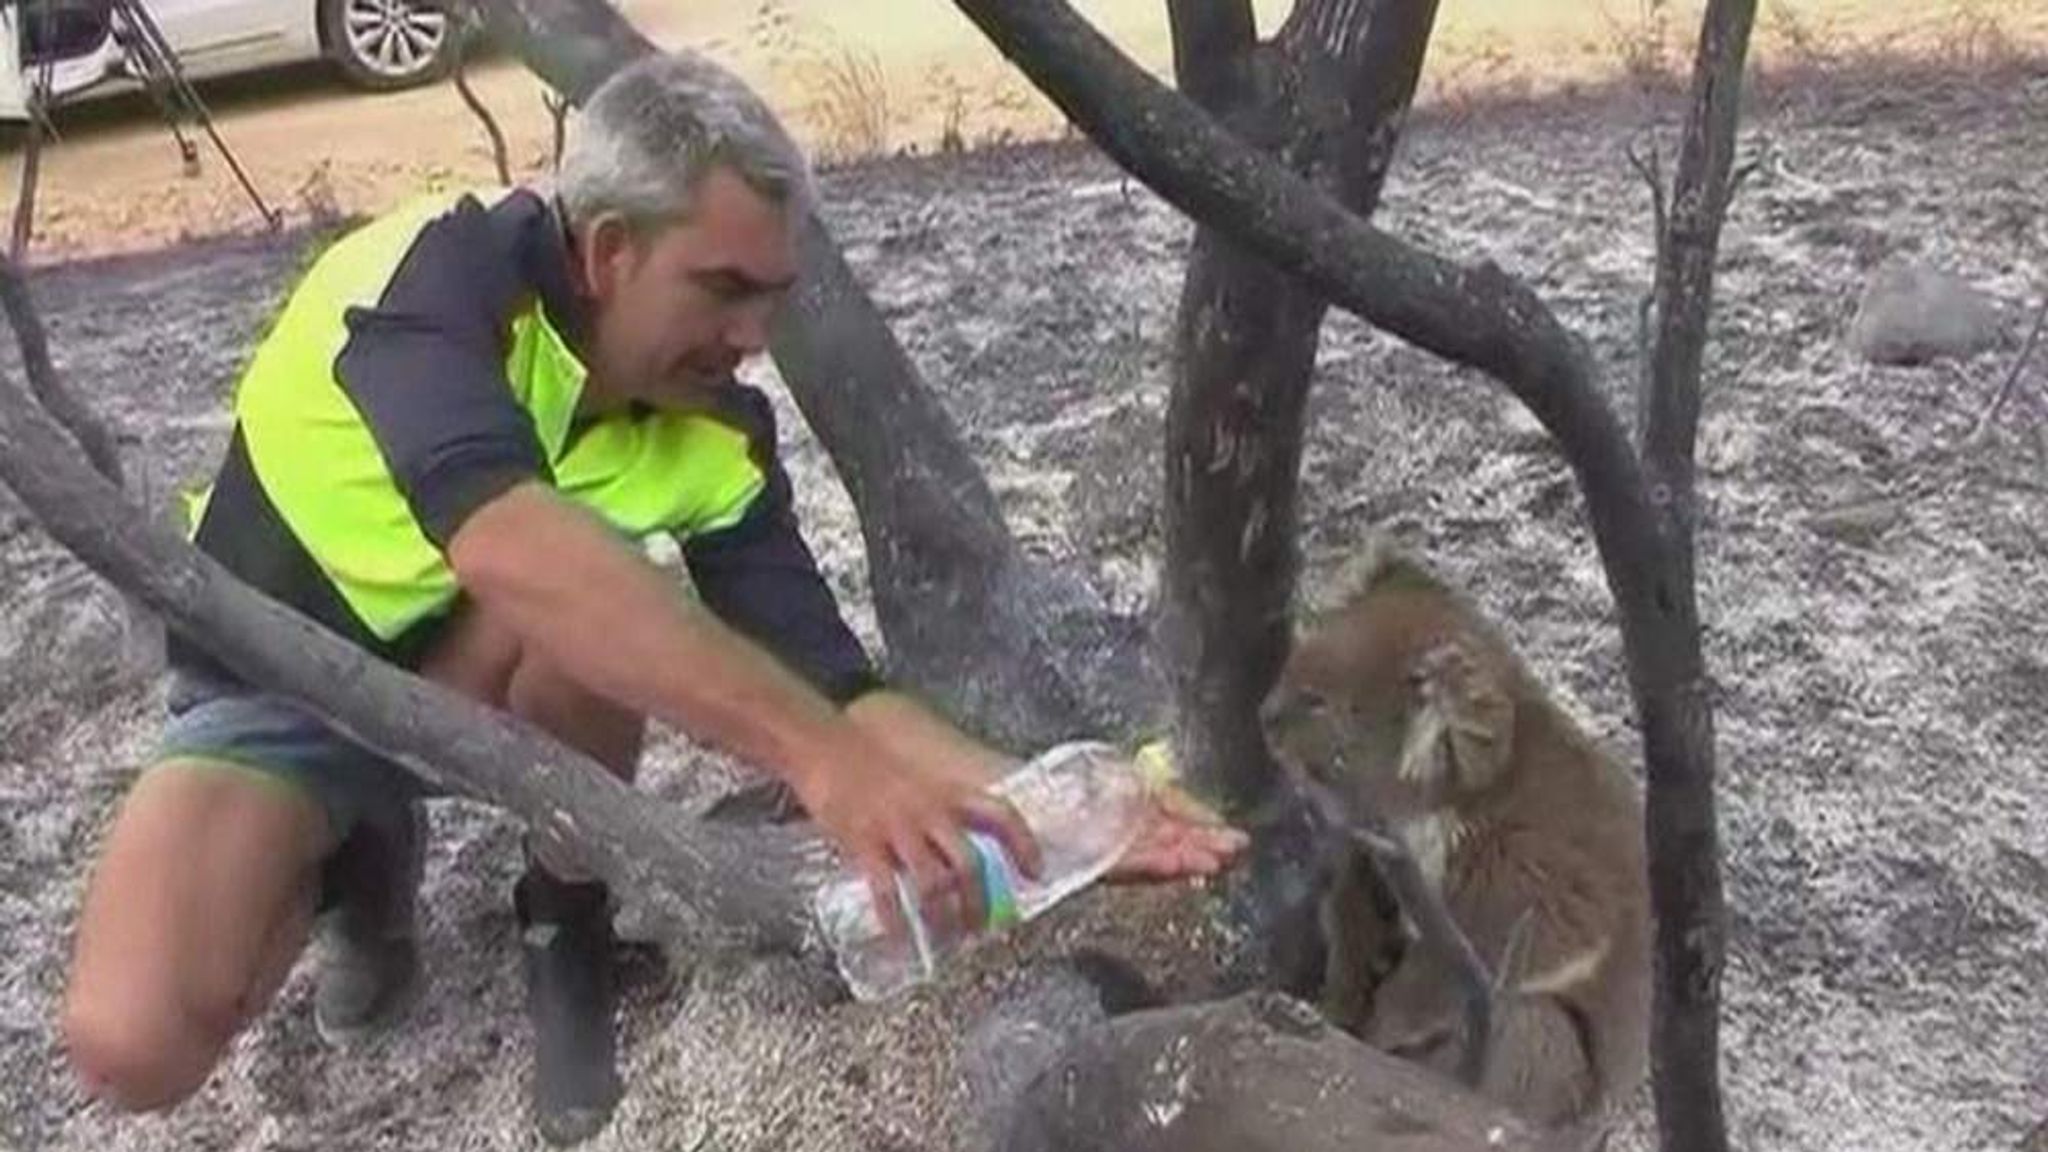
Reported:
(676, 310)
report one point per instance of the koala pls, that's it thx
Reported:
(1405, 704)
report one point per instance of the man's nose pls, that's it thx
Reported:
(747, 330)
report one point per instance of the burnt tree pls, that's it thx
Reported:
(1255, 1073)
(1326, 96)
(1022, 653)
(1638, 497)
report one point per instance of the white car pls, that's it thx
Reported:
(92, 46)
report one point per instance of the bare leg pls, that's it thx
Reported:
(482, 659)
(200, 902)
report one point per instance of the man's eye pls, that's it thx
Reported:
(723, 286)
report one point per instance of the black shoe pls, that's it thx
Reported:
(370, 961)
(566, 947)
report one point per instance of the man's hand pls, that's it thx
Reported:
(889, 814)
(1181, 838)
(947, 762)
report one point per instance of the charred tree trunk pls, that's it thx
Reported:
(1326, 97)
(1022, 653)
(1670, 669)
(1259, 1073)
(1485, 319)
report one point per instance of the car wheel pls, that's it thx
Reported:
(390, 44)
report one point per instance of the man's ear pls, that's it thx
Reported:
(609, 250)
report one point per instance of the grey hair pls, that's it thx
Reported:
(651, 132)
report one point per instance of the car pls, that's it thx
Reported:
(95, 47)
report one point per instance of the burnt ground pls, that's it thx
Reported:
(1881, 677)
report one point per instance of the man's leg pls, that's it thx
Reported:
(565, 916)
(196, 909)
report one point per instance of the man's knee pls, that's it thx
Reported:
(547, 697)
(142, 1056)
(481, 657)
(206, 880)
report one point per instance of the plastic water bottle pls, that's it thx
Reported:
(1083, 802)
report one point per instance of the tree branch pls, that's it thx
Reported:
(2012, 377)
(1682, 828)
(709, 884)
(500, 157)
(1328, 97)
(1019, 652)
(1688, 246)
(1212, 50)
(1259, 1071)
(79, 423)
(1374, 50)
(558, 127)
(1424, 906)
(38, 99)
(1478, 316)
(1645, 157)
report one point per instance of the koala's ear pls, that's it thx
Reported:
(1463, 729)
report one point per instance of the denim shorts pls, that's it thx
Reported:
(223, 723)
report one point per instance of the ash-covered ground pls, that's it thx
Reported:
(1878, 626)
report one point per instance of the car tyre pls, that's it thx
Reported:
(387, 45)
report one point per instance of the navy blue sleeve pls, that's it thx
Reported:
(760, 577)
(425, 366)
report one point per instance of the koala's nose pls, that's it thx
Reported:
(1272, 710)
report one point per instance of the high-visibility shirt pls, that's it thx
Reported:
(426, 363)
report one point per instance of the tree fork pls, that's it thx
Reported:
(1327, 97)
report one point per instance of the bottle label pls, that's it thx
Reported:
(998, 882)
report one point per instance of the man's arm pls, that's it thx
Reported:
(584, 599)
(589, 602)
(915, 732)
(760, 577)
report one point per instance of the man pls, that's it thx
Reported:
(447, 449)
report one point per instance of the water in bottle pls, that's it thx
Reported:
(1082, 801)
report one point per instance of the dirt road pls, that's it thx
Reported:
(855, 77)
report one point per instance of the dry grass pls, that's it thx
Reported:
(852, 104)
